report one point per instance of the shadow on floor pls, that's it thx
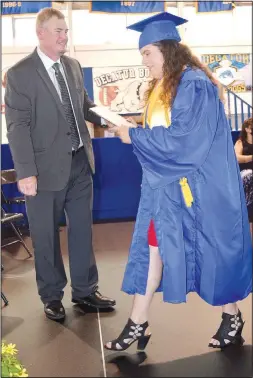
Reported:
(9, 323)
(233, 362)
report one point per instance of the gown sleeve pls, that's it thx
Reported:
(168, 154)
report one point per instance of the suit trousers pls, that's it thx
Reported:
(45, 211)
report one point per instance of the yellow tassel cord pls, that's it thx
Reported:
(186, 190)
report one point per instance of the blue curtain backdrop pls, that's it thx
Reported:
(116, 182)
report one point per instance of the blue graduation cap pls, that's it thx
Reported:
(158, 28)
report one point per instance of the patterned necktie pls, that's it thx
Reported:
(68, 110)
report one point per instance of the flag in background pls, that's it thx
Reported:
(22, 7)
(127, 6)
(214, 6)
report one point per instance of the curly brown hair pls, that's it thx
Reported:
(176, 57)
(247, 124)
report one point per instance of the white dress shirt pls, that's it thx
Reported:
(48, 64)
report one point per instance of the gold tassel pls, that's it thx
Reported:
(186, 190)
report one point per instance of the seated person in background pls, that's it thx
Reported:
(244, 154)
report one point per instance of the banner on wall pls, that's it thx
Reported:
(127, 6)
(121, 89)
(22, 7)
(214, 6)
(232, 70)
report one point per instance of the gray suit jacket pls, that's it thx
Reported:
(37, 130)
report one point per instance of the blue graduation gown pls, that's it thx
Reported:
(205, 248)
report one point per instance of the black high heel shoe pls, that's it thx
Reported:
(132, 332)
(230, 331)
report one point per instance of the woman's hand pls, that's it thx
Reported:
(131, 120)
(122, 132)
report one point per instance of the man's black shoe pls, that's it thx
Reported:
(95, 299)
(54, 310)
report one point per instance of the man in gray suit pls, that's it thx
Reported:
(46, 109)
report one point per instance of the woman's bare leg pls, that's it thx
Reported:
(141, 303)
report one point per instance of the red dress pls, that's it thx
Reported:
(152, 235)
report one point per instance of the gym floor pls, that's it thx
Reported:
(180, 333)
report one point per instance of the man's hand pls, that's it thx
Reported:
(28, 186)
(116, 129)
(111, 127)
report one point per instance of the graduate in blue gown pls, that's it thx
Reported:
(191, 190)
